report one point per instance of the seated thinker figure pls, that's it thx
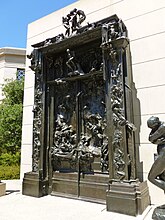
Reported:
(157, 136)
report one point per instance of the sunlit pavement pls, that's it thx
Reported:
(15, 206)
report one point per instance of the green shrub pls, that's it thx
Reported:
(9, 172)
(11, 128)
(8, 159)
(11, 110)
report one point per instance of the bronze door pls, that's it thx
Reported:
(82, 110)
(79, 151)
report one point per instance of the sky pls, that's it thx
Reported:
(15, 15)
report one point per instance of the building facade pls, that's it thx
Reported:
(144, 21)
(12, 63)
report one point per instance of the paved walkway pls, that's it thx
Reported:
(15, 206)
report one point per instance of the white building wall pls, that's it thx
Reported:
(10, 60)
(146, 30)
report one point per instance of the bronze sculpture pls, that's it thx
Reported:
(72, 22)
(83, 140)
(157, 171)
(157, 136)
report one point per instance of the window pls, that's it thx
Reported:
(20, 73)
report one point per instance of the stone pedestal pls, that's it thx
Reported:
(130, 198)
(2, 188)
(34, 186)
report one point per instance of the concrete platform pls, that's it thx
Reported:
(16, 206)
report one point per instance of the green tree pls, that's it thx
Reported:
(11, 109)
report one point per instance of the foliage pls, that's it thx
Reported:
(9, 172)
(10, 128)
(13, 91)
(11, 121)
(8, 159)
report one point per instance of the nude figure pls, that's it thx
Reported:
(157, 136)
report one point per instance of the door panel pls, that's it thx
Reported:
(79, 145)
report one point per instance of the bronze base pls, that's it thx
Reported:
(89, 187)
(159, 213)
(2, 188)
(130, 198)
(34, 186)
